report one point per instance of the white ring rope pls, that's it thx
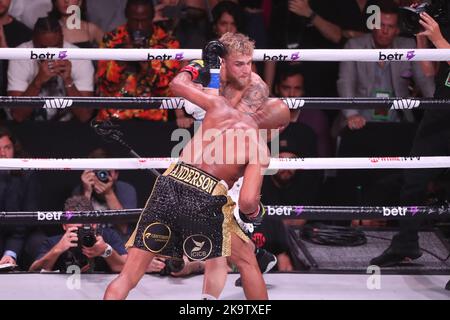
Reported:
(259, 55)
(276, 163)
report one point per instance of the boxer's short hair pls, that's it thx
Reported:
(237, 43)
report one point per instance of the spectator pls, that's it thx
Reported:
(290, 83)
(136, 79)
(308, 24)
(87, 35)
(107, 14)
(58, 78)
(106, 192)
(28, 12)
(18, 192)
(358, 20)
(106, 253)
(272, 236)
(12, 33)
(293, 187)
(432, 139)
(254, 22)
(228, 16)
(188, 20)
(380, 79)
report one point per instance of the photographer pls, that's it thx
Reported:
(106, 192)
(432, 139)
(81, 245)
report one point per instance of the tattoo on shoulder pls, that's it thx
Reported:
(227, 92)
(256, 94)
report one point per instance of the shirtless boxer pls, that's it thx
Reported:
(273, 114)
(188, 210)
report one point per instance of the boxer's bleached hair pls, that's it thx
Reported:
(237, 43)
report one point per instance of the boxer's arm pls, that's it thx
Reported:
(182, 86)
(281, 114)
(250, 194)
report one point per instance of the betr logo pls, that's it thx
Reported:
(49, 216)
(280, 57)
(399, 211)
(280, 211)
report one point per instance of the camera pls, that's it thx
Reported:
(140, 38)
(102, 175)
(86, 236)
(410, 17)
(172, 265)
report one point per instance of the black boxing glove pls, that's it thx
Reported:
(198, 71)
(254, 218)
(211, 53)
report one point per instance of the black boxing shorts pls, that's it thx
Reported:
(188, 212)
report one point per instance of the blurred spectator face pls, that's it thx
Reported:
(62, 5)
(384, 36)
(292, 86)
(48, 40)
(238, 69)
(6, 148)
(4, 7)
(140, 20)
(225, 24)
(283, 177)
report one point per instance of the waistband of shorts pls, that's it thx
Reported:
(196, 178)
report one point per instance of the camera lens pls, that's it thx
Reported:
(86, 236)
(102, 175)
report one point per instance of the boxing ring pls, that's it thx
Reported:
(281, 285)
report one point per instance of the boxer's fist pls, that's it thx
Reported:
(255, 218)
(211, 53)
(198, 71)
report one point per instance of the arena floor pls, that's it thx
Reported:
(281, 287)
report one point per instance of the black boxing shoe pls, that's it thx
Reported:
(394, 256)
(266, 262)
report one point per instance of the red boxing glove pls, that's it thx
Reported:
(198, 72)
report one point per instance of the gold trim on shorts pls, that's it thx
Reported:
(229, 226)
